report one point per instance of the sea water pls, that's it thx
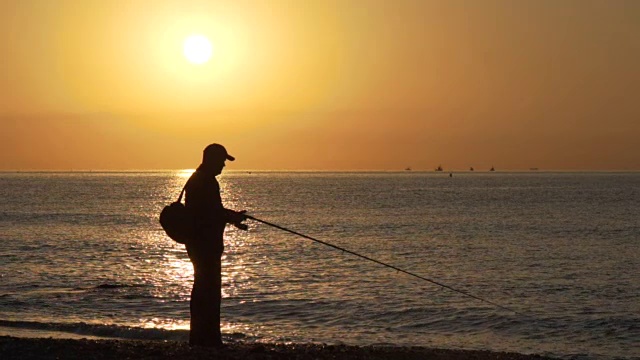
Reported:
(82, 254)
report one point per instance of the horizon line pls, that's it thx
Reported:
(314, 170)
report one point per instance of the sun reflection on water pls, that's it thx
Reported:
(167, 324)
(185, 173)
(178, 269)
(234, 271)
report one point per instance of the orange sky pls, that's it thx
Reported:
(326, 85)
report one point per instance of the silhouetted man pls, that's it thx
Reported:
(202, 198)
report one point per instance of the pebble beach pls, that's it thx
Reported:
(49, 348)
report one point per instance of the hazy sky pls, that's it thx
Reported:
(330, 85)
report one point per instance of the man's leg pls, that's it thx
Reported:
(215, 297)
(205, 304)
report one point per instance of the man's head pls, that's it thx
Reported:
(214, 156)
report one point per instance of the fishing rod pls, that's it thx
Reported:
(384, 264)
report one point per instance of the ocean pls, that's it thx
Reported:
(83, 255)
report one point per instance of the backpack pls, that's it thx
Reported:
(177, 221)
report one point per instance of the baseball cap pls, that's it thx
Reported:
(216, 152)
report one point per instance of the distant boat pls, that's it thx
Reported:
(408, 168)
(439, 168)
(492, 169)
(471, 168)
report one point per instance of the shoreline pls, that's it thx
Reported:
(51, 348)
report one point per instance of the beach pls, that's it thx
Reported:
(48, 348)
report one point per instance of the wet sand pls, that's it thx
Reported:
(41, 348)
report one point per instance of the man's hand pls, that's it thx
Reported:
(236, 218)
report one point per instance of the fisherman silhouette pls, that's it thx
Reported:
(202, 199)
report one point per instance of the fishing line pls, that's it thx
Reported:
(384, 264)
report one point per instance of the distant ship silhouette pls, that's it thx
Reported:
(439, 168)
(492, 169)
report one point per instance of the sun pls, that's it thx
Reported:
(197, 49)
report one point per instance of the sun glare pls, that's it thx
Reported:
(197, 49)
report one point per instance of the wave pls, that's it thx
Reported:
(101, 330)
(117, 286)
